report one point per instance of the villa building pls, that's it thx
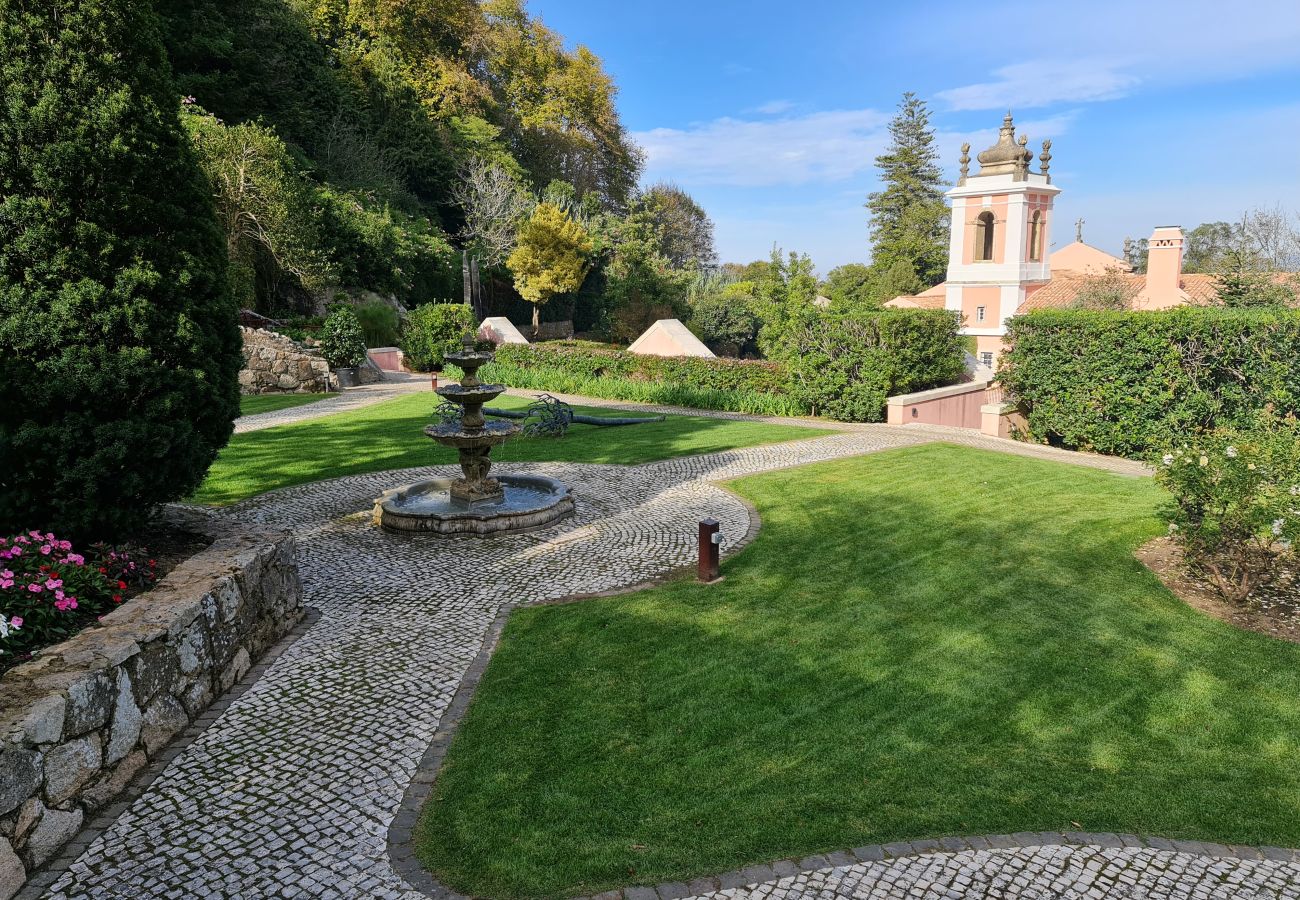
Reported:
(998, 264)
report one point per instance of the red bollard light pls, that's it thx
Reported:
(710, 545)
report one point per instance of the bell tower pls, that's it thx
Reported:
(1000, 238)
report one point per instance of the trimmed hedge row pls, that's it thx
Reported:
(1133, 383)
(843, 367)
(582, 359)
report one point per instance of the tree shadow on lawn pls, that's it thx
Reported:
(940, 653)
(391, 436)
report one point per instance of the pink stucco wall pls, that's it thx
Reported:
(974, 208)
(387, 358)
(959, 410)
(987, 296)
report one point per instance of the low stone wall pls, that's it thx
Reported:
(81, 719)
(276, 364)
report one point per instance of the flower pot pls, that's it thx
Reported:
(348, 376)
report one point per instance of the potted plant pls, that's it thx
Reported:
(343, 345)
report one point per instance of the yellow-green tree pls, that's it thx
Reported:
(550, 257)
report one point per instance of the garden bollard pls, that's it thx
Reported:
(710, 542)
(434, 379)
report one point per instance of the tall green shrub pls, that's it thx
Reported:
(1132, 383)
(846, 366)
(433, 330)
(342, 342)
(119, 350)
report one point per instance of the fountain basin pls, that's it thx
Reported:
(529, 502)
(470, 396)
(456, 435)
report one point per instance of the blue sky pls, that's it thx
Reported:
(771, 114)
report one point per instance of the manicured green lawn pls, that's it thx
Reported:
(390, 435)
(251, 405)
(927, 642)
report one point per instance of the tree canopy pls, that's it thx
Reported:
(118, 337)
(909, 218)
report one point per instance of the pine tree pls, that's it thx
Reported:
(909, 219)
(119, 349)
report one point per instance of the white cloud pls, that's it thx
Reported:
(774, 107)
(1117, 45)
(1042, 83)
(819, 147)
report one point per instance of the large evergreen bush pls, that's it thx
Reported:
(433, 330)
(119, 351)
(846, 366)
(1133, 383)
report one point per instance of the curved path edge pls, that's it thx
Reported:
(401, 830)
(406, 863)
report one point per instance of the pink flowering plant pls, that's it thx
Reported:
(49, 591)
(1236, 503)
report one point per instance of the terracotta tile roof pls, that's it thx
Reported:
(1062, 291)
(930, 298)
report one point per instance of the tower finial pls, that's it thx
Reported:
(965, 163)
(1045, 159)
(1078, 230)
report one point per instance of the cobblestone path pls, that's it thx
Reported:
(291, 791)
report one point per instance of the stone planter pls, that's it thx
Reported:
(80, 720)
(347, 376)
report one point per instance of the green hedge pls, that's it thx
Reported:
(1132, 383)
(435, 329)
(843, 367)
(578, 367)
(846, 366)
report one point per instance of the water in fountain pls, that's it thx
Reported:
(474, 503)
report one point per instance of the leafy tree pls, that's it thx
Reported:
(726, 322)
(559, 115)
(342, 342)
(642, 284)
(909, 219)
(851, 285)
(1206, 246)
(550, 257)
(1112, 289)
(434, 330)
(1242, 283)
(784, 301)
(895, 280)
(118, 340)
(685, 230)
(264, 205)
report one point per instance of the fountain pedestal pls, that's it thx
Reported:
(474, 503)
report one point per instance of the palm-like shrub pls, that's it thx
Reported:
(119, 350)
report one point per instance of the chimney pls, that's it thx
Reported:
(1164, 287)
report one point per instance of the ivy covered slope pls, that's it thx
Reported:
(119, 350)
(337, 131)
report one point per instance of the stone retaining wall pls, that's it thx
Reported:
(276, 364)
(81, 719)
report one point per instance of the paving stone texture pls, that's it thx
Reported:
(291, 791)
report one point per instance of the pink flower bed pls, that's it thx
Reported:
(48, 591)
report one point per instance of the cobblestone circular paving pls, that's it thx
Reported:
(291, 791)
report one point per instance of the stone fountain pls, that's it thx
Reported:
(475, 503)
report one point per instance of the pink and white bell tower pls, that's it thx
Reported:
(1001, 227)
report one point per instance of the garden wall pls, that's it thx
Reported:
(275, 364)
(1134, 383)
(83, 717)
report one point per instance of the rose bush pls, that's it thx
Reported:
(48, 591)
(1236, 509)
